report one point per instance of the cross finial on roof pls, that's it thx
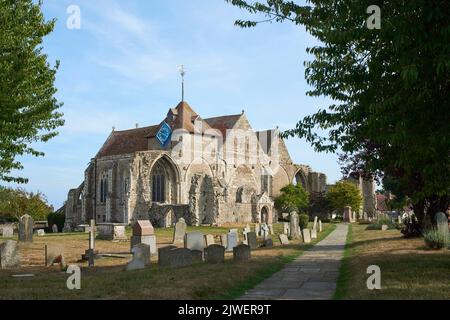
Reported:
(182, 73)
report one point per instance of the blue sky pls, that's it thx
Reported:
(121, 68)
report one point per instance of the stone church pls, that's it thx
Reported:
(208, 171)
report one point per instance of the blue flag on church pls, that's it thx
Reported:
(164, 134)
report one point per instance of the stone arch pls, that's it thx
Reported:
(164, 181)
(300, 177)
(264, 215)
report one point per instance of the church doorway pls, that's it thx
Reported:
(264, 215)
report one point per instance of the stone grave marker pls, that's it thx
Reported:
(179, 231)
(441, 222)
(209, 240)
(143, 232)
(163, 255)
(232, 240)
(283, 239)
(141, 257)
(7, 231)
(40, 232)
(55, 228)
(180, 257)
(194, 241)
(294, 226)
(54, 253)
(26, 223)
(9, 255)
(306, 235)
(268, 243)
(214, 254)
(257, 229)
(223, 240)
(315, 223)
(384, 227)
(320, 226)
(313, 234)
(265, 231)
(286, 228)
(241, 252)
(348, 216)
(252, 240)
(197, 256)
(271, 232)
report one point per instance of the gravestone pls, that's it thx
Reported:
(271, 232)
(214, 254)
(197, 256)
(180, 257)
(245, 232)
(283, 238)
(111, 231)
(141, 257)
(40, 232)
(54, 253)
(294, 226)
(194, 241)
(441, 222)
(264, 231)
(163, 255)
(252, 240)
(209, 240)
(9, 255)
(306, 235)
(313, 234)
(232, 240)
(7, 231)
(348, 216)
(55, 228)
(241, 252)
(286, 228)
(268, 243)
(257, 229)
(223, 240)
(320, 226)
(179, 231)
(143, 232)
(315, 223)
(384, 227)
(26, 223)
(119, 233)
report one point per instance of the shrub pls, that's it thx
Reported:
(303, 220)
(435, 239)
(411, 226)
(383, 220)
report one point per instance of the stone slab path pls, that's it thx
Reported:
(313, 275)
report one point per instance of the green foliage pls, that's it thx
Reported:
(292, 198)
(14, 203)
(435, 239)
(388, 88)
(56, 218)
(319, 205)
(344, 194)
(382, 220)
(303, 220)
(411, 226)
(27, 93)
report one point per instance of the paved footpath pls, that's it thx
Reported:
(313, 275)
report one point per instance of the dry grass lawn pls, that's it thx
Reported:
(108, 280)
(408, 269)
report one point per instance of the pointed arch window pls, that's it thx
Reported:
(103, 188)
(158, 184)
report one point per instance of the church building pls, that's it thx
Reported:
(209, 171)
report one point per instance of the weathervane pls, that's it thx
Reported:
(182, 73)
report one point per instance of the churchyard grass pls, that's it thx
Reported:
(408, 269)
(108, 280)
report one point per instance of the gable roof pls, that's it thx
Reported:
(127, 141)
(223, 123)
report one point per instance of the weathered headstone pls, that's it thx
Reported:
(294, 225)
(209, 240)
(223, 240)
(252, 240)
(441, 222)
(315, 223)
(265, 231)
(179, 231)
(7, 231)
(141, 257)
(320, 226)
(9, 255)
(283, 239)
(143, 232)
(92, 235)
(271, 232)
(257, 229)
(164, 254)
(268, 243)
(306, 235)
(286, 228)
(40, 232)
(313, 234)
(197, 256)
(384, 227)
(55, 228)
(180, 257)
(26, 224)
(241, 252)
(232, 240)
(214, 254)
(194, 241)
(54, 253)
(111, 231)
(348, 215)
(119, 233)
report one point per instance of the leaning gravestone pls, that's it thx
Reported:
(194, 241)
(209, 240)
(232, 240)
(441, 222)
(315, 223)
(214, 254)
(143, 232)
(320, 226)
(241, 252)
(306, 235)
(9, 255)
(180, 257)
(55, 228)
(251, 240)
(164, 254)
(271, 232)
(141, 257)
(26, 223)
(283, 239)
(179, 231)
(8, 231)
(294, 225)
(313, 234)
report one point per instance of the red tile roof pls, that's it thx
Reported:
(223, 123)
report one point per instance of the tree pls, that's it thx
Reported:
(27, 92)
(344, 194)
(319, 204)
(292, 198)
(390, 90)
(14, 203)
